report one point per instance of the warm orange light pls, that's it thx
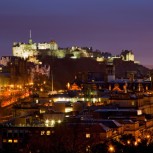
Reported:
(68, 85)
(135, 143)
(128, 142)
(139, 140)
(148, 136)
(15, 141)
(111, 148)
(10, 141)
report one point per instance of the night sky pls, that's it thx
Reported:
(107, 25)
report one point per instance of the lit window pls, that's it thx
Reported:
(59, 121)
(115, 131)
(10, 141)
(133, 103)
(87, 148)
(87, 135)
(68, 109)
(47, 132)
(42, 132)
(15, 141)
(42, 111)
(128, 142)
(107, 135)
(4, 140)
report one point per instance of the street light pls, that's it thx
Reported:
(128, 142)
(111, 148)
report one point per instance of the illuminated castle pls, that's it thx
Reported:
(31, 49)
(127, 55)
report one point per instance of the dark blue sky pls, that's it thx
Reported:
(107, 25)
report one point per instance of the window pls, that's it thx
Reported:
(88, 148)
(133, 103)
(4, 140)
(15, 141)
(47, 132)
(42, 133)
(9, 140)
(87, 135)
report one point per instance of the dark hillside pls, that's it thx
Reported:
(64, 70)
(121, 67)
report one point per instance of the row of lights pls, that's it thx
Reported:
(51, 123)
(10, 141)
(111, 148)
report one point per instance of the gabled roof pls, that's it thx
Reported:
(111, 123)
(91, 127)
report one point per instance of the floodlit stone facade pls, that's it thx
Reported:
(31, 49)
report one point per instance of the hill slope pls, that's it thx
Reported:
(64, 70)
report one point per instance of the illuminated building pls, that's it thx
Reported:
(127, 55)
(32, 49)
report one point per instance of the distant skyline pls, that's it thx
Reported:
(106, 25)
